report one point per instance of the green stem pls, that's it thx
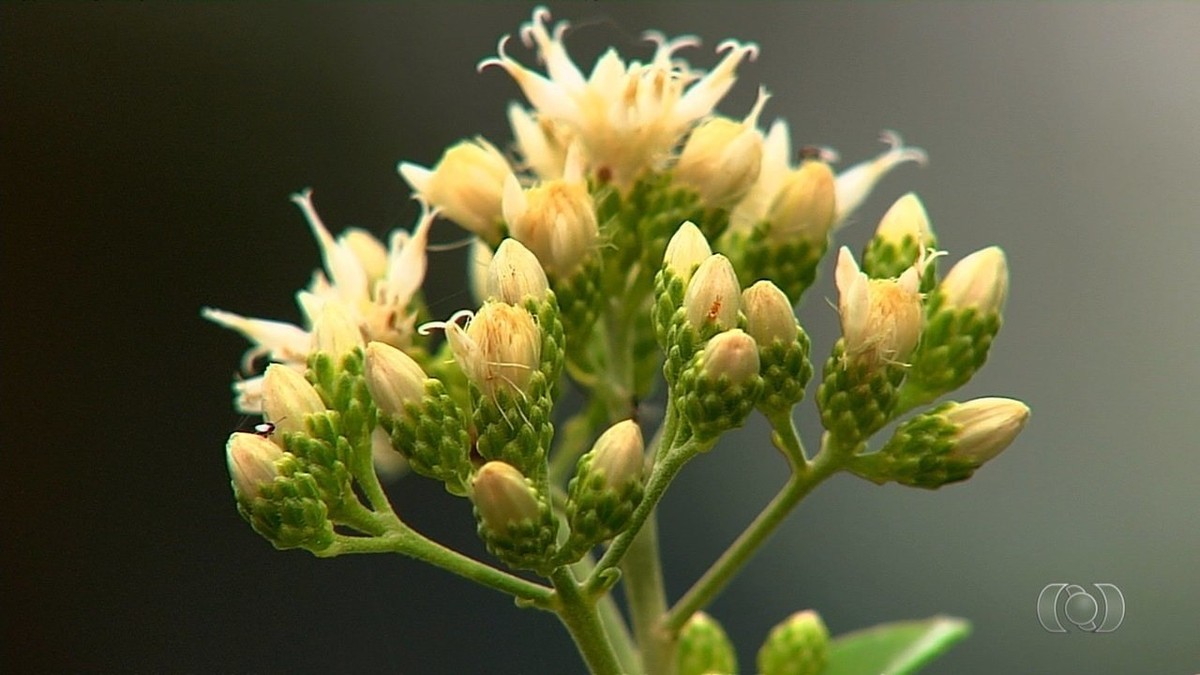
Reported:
(614, 622)
(747, 544)
(406, 541)
(787, 439)
(647, 597)
(664, 472)
(578, 614)
(368, 480)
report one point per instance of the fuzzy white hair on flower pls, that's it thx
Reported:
(881, 318)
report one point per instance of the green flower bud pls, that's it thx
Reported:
(514, 520)
(704, 648)
(946, 444)
(394, 379)
(467, 185)
(251, 460)
(782, 346)
(515, 274)
(287, 398)
(606, 489)
(289, 511)
(721, 386)
(797, 646)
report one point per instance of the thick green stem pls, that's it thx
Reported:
(614, 622)
(578, 613)
(747, 544)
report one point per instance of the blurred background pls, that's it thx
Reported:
(148, 155)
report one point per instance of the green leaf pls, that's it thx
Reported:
(895, 648)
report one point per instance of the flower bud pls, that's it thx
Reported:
(986, 426)
(722, 158)
(797, 646)
(881, 318)
(906, 219)
(769, 315)
(704, 648)
(393, 378)
(500, 348)
(686, 250)
(515, 274)
(467, 185)
(979, 281)
(335, 333)
(251, 460)
(287, 398)
(732, 354)
(804, 207)
(503, 496)
(713, 296)
(556, 220)
(619, 455)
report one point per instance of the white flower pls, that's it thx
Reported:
(986, 426)
(855, 184)
(722, 157)
(466, 185)
(881, 318)
(906, 218)
(498, 350)
(629, 117)
(555, 219)
(978, 281)
(374, 288)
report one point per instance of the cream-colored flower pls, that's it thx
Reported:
(986, 426)
(686, 250)
(287, 398)
(540, 142)
(555, 219)
(629, 117)
(769, 314)
(500, 348)
(503, 496)
(619, 455)
(855, 184)
(514, 274)
(393, 378)
(251, 459)
(722, 157)
(881, 318)
(713, 296)
(733, 354)
(978, 281)
(371, 286)
(466, 185)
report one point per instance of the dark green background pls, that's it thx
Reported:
(148, 155)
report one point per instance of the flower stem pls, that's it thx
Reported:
(731, 561)
(647, 597)
(578, 613)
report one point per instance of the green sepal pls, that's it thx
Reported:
(785, 370)
(704, 648)
(554, 346)
(290, 511)
(798, 645)
(343, 388)
(954, 346)
(888, 259)
(578, 302)
(527, 544)
(918, 454)
(791, 265)
(857, 399)
(515, 427)
(432, 435)
(713, 405)
(669, 289)
(324, 453)
(595, 512)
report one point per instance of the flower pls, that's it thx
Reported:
(855, 183)
(619, 455)
(881, 318)
(713, 296)
(288, 398)
(686, 250)
(978, 281)
(628, 117)
(769, 314)
(393, 378)
(372, 287)
(986, 426)
(906, 218)
(503, 496)
(514, 274)
(498, 350)
(466, 185)
(555, 219)
(722, 157)
(732, 354)
(251, 459)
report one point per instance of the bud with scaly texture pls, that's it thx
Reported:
(280, 501)
(721, 385)
(946, 444)
(704, 648)
(251, 459)
(964, 316)
(686, 250)
(799, 645)
(783, 346)
(287, 398)
(514, 520)
(606, 489)
(903, 235)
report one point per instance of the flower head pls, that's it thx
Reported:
(466, 185)
(986, 426)
(722, 157)
(978, 281)
(556, 219)
(881, 318)
(251, 459)
(499, 349)
(628, 116)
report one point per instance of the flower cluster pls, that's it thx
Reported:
(634, 238)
